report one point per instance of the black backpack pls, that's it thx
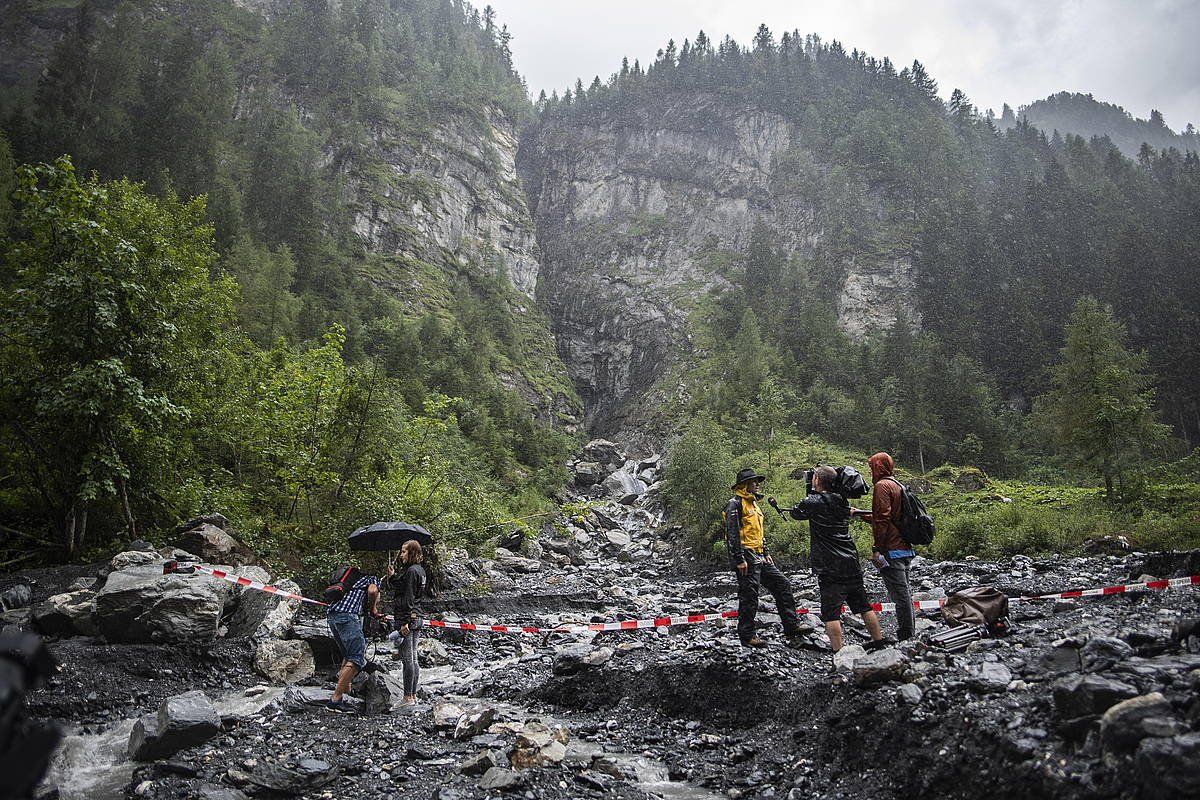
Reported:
(915, 524)
(341, 580)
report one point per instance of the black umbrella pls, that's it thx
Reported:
(383, 536)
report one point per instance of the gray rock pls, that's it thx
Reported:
(479, 763)
(505, 559)
(140, 604)
(589, 473)
(910, 694)
(843, 660)
(1083, 695)
(500, 779)
(624, 486)
(380, 692)
(215, 546)
(1102, 652)
(618, 539)
(284, 661)
(432, 653)
(18, 596)
(1060, 659)
(182, 721)
(1169, 768)
(474, 723)
(306, 776)
(990, 676)
(264, 616)
(604, 452)
(133, 558)
(1130, 721)
(446, 715)
(881, 666)
(211, 791)
(574, 658)
(69, 614)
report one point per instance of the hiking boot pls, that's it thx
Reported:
(879, 644)
(754, 641)
(342, 706)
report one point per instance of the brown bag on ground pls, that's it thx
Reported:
(978, 605)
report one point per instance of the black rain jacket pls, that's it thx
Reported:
(831, 550)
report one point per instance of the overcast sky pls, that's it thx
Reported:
(1140, 54)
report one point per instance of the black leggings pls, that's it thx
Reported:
(407, 647)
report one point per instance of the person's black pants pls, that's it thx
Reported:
(761, 575)
(895, 580)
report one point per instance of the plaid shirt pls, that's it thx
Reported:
(352, 603)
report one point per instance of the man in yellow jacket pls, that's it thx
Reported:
(749, 558)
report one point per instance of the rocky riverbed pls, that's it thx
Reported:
(184, 686)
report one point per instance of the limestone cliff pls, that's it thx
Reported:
(631, 212)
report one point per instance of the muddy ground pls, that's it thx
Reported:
(684, 712)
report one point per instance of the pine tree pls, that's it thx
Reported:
(1101, 408)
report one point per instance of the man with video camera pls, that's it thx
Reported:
(832, 554)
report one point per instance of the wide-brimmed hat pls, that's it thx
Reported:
(747, 474)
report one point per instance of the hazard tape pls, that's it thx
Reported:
(623, 625)
(182, 566)
(1191, 580)
(686, 619)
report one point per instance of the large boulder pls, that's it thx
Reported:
(133, 558)
(589, 473)
(1102, 652)
(67, 614)
(260, 615)
(141, 604)
(507, 560)
(281, 661)
(182, 721)
(215, 546)
(604, 452)
(624, 485)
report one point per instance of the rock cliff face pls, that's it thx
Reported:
(632, 215)
(451, 193)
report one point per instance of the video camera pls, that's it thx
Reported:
(848, 483)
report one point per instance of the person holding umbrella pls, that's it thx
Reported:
(408, 586)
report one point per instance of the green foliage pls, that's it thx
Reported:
(1003, 225)
(1101, 407)
(110, 310)
(698, 473)
(322, 401)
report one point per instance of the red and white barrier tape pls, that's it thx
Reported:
(687, 619)
(624, 625)
(1191, 580)
(173, 566)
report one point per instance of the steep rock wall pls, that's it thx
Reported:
(628, 213)
(453, 191)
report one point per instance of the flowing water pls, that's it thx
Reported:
(96, 766)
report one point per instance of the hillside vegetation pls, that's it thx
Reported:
(316, 381)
